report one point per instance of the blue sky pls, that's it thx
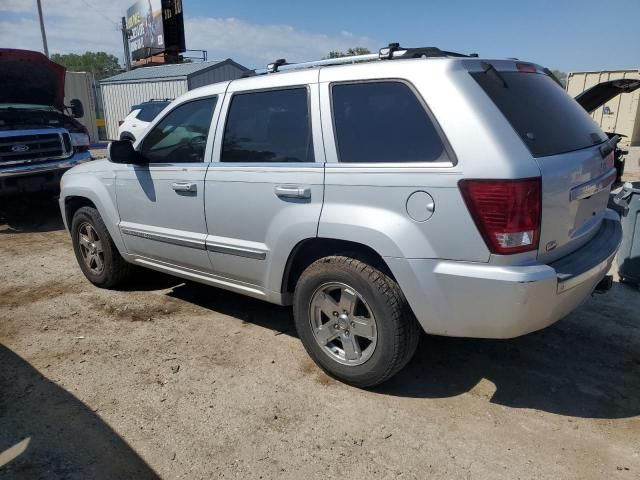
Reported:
(568, 35)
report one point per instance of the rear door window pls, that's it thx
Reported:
(269, 126)
(383, 122)
(547, 120)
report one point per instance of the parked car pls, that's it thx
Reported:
(139, 118)
(596, 96)
(377, 195)
(39, 138)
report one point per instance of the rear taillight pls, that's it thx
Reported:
(507, 212)
(526, 67)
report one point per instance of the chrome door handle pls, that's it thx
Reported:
(184, 187)
(293, 191)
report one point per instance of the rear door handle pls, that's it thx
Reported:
(293, 191)
(184, 187)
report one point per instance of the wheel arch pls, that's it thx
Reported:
(88, 191)
(311, 249)
(74, 203)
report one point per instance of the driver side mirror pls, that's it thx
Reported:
(77, 110)
(122, 151)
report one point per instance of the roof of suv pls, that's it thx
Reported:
(385, 59)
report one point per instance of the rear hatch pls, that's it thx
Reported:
(574, 156)
(601, 93)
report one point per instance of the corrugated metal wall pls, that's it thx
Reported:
(117, 98)
(214, 75)
(80, 85)
(624, 116)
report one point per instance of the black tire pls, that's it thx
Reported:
(397, 332)
(115, 269)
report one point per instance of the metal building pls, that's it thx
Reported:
(621, 114)
(122, 91)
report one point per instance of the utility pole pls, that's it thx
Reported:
(125, 43)
(44, 34)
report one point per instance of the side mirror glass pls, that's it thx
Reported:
(122, 151)
(77, 110)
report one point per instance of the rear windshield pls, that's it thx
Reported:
(149, 111)
(546, 118)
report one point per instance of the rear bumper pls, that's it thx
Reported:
(486, 301)
(37, 177)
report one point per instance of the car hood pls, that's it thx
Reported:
(603, 92)
(31, 78)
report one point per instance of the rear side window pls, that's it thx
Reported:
(149, 111)
(269, 126)
(383, 122)
(547, 120)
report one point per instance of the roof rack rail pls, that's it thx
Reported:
(391, 52)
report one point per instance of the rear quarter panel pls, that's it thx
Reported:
(366, 203)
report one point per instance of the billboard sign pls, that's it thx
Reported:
(144, 28)
(155, 26)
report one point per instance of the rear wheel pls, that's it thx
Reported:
(95, 251)
(354, 321)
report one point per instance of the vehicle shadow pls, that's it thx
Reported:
(247, 309)
(586, 365)
(30, 213)
(45, 432)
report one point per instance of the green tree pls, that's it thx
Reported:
(350, 53)
(101, 64)
(561, 76)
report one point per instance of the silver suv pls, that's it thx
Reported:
(379, 195)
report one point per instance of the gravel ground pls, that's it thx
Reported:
(166, 379)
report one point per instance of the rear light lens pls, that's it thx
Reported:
(507, 212)
(526, 68)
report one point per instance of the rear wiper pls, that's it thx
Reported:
(488, 67)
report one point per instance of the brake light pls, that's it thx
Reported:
(506, 212)
(526, 67)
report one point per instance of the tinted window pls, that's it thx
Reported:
(181, 136)
(383, 122)
(547, 120)
(268, 126)
(149, 111)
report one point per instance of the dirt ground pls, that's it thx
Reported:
(167, 379)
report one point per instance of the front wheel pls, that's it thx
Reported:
(95, 251)
(354, 321)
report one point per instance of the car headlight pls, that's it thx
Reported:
(79, 139)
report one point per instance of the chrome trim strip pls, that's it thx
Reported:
(593, 186)
(46, 166)
(29, 132)
(237, 251)
(158, 237)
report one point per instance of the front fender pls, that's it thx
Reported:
(99, 188)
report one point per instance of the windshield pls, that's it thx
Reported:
(547, 120)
